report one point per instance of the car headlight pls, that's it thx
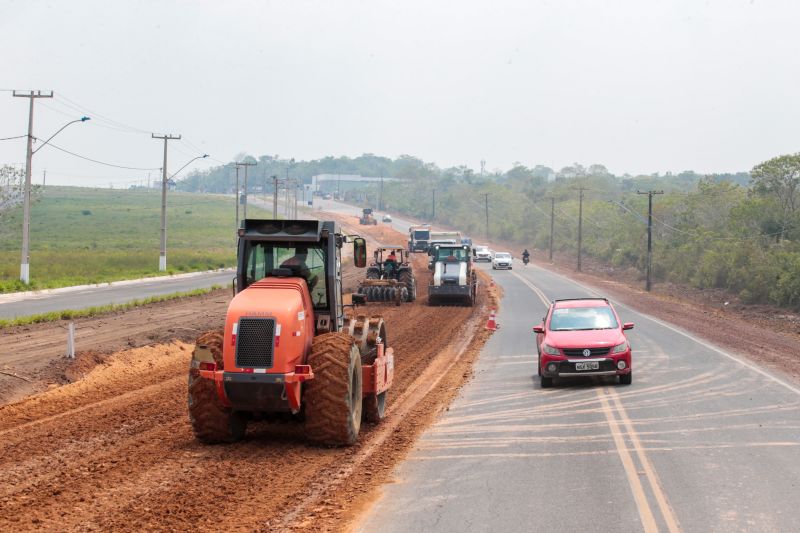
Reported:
(546, 348)
(619, 348)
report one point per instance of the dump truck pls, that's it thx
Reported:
(367, 217)
(441, 238)
(454, 278)
(418, 238)
(387, 279)
(445, 237)
(287, 350)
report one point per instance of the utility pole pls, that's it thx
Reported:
(275, 198)
(649, 233)
(286, 197)
(486, 203)
(380, 201)
(162, 258)
(265, 186)
(44, 179)
(552, 224)
(25, 263)
(296, 187)
(580, 225)
(237, 196)
(245, 165)
(433, 206)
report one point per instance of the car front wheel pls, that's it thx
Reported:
(626, 379)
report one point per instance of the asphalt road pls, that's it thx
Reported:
(26, 304)
(19, 305)
(701, 441)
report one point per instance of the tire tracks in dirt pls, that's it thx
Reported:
(114, 449)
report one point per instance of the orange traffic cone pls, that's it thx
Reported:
(492, 324)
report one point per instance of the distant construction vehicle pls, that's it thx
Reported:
(445, 237)
(454, 278)
(287, 351)
(367, 217)
(390, 277)
(419, 238)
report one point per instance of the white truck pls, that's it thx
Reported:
(445, 237)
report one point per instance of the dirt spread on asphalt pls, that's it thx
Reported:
(107, 445)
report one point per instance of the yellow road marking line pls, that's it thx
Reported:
(652, 477)
(542, 296)
(645, 513)
(642, 505)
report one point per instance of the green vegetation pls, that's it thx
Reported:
(739, 232)
(83, 235)
(68, 314)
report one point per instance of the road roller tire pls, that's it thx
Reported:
(375, 407)
(211, 421)
(333, 402)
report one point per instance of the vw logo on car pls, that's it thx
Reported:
(587, 352)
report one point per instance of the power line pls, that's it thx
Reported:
(98, 162)
(10, 138)
(100, 116)
(693, 234)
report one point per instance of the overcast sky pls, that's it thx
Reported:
(640, 86)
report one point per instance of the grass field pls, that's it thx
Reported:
(84, 235)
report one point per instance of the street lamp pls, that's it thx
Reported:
(24, 268)
(187, 164)
(82, 119)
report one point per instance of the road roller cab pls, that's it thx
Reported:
(287, 343)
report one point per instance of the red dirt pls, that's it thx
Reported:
(108, 446)
(113, 448)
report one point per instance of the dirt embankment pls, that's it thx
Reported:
(32, 357)
(114, 450)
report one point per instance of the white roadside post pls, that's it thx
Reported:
(71, 341)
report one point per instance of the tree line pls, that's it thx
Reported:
(734, 231)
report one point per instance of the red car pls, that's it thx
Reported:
(583, 337)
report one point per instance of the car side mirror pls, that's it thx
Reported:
(360, 252)
(538, 329)
(627, 325)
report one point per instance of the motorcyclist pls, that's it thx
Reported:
(526, 256)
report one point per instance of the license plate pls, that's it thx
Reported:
(589, 365)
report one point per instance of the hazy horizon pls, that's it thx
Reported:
(640, 87)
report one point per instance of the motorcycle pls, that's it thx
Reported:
(525, 260)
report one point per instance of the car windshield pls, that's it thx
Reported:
(582, 318)
(422, 234)
(502, 256)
